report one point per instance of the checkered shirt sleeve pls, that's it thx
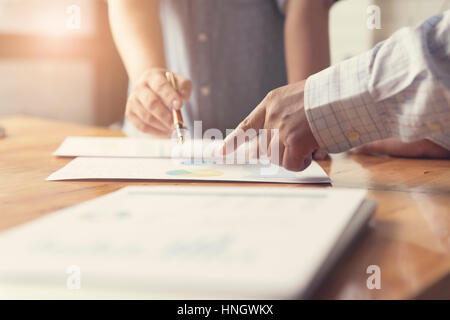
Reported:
(400, 88)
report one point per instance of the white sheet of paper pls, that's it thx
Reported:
(177, 242)
(179, 169)
(130, 147)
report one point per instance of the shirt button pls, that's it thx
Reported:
(202, 37)
(205, 91)
(434, 126)
(353, 135)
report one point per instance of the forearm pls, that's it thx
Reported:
(306, 38)
(137, 33)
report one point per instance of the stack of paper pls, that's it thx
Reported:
(126, 158)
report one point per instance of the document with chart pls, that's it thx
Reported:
(177, 242)
(164, 159)
(183, 169)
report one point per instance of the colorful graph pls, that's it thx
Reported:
(195, 173)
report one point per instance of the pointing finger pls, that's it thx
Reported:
(246, 130)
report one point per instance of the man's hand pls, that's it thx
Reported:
(394, 147)
(147, 105)
(281, 109)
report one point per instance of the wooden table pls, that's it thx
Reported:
(409, 238)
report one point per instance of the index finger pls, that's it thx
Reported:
(246, 129)
(165, 91)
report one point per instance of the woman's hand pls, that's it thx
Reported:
(147, 105)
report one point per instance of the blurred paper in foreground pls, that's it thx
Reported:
(177, 242)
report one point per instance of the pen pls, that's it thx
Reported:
(177, 119)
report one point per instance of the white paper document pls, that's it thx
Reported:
(165, 159)
(183, 169)
(133, 147)
(178, 242)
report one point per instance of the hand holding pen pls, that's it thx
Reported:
(152, 94)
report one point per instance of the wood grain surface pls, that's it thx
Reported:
(409, 237)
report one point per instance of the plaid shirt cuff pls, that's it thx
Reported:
(339, 108)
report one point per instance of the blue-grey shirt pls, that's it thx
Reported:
(232, 50)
